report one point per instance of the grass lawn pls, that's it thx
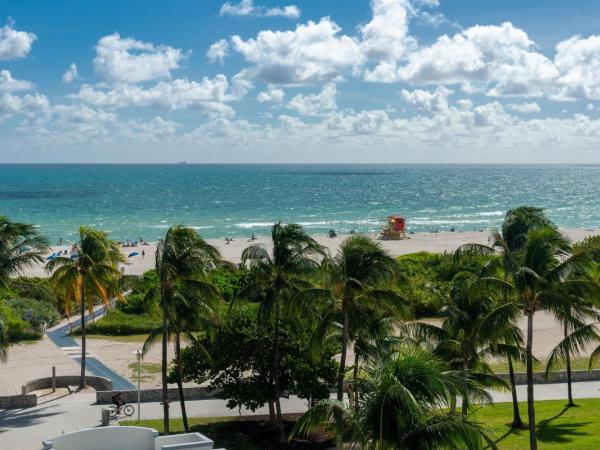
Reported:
(237, 433)
(557, 427)
(147, 370)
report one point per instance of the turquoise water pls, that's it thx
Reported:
(238, 200)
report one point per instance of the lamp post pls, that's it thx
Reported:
(138, 354)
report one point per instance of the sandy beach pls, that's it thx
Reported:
(418, 242)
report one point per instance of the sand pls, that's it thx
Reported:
(431, 242)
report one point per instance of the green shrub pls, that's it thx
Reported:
(18, 328)
(430, 276)
(118, 323)
(134, 304)
(34, 311)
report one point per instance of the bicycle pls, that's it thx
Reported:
(126, 410)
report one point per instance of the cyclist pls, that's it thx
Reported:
(118, 401)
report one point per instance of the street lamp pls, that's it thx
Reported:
(138, 353)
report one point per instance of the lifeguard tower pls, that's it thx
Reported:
(394, 229)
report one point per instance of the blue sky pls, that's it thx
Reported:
(306, 81)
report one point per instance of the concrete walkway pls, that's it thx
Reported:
(60, 336)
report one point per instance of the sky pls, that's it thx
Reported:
(313, 81)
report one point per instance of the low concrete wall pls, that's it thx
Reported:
(63, 381)
(155, 395)
(18, 401)
(554, 377)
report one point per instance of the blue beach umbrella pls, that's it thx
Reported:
(133, 254)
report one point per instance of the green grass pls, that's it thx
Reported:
(222, 430)
(147, 369)
(558, 427)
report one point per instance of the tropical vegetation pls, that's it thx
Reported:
(295, 319)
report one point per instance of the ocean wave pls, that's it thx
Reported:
(253, 224)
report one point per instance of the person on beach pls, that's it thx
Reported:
(143, 254)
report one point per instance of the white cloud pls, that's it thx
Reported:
(385, 37)
(247, 8)
(126, 60)
(271, 95)
(315, 104)
(589, 107)
(70, 74)
(312, 53)
(29, 105)
(435, 101)
(207, 94)
(14, 44)
(218, 51)
(578, 61)
(10, 84)
(524, 108)
(497, 60)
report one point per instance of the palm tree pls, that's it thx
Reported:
(3, 338)
(86, 276)
(539, 278)
(402, 406)
(574, 315)
(182, 259)
(474, 326)
(193, 308)
(275, 278)
(20, 246)
(357, 292)
(508, 244)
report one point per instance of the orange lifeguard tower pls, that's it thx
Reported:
(394, 229)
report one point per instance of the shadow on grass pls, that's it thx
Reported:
(549, 432)
(559, 433)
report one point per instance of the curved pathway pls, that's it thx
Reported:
(61, 338)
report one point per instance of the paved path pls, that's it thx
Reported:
(59, 335)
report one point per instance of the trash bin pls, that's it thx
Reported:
(105, 417)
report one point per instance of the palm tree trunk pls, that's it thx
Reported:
(465, 399)
(82, 381)
(355, 379)
(163, 370)
(530, 405)
(275, 370)
(517, 421)
(342, 369)
(569, 385)
(453, 405)
(180, 381)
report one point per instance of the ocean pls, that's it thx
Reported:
(130, 201)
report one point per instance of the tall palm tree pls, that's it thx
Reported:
(404, 395)
(509, 243)
(20, 246)
(3, 338)
(539, 278)
(275, 279)
(88, 275)
(358, 291)
(182, 259)
(192, 309)
(575, 316)
(474, 325)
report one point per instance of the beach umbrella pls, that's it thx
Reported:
(52, 256)
(133, 254)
